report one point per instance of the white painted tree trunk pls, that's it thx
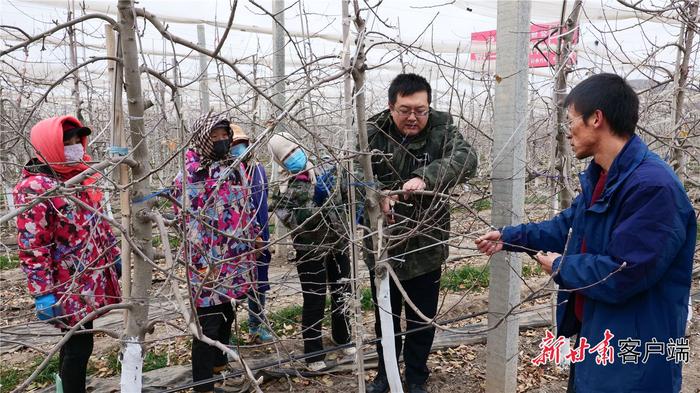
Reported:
(130, 380)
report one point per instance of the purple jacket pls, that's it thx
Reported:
(259, 192)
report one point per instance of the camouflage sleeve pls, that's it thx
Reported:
(342, 181)
(358, 176)
(283, 213)
(375, 158)
(35, 238)
(295, 206)
(458, 162)
(280, 205)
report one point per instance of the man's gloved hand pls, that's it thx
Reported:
(46, 307)
(323, 188)
(118, 266)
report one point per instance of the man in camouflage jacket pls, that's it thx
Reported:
(421, 150)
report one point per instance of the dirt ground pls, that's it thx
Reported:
(458, 369)
(462, 369)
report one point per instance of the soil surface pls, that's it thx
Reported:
(458, 365)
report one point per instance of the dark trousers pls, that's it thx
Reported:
(423, 292)
(313, 271)
(571, 385)
(256, 309)
(73, 360)
(216, 324)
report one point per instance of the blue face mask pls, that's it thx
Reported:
(238, 149)
(296, 162)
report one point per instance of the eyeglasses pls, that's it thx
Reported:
(403, 112)
(566, 124)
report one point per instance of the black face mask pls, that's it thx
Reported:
(221, 148)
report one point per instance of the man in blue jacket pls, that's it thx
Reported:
(629, 239)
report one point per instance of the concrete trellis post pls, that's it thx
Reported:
(279, 98)
(119, 139)
(203, 63)
(73, 52)
(508, 186)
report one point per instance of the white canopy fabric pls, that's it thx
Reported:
(472, 15)
(436, 30)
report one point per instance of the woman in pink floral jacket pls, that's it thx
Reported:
(221, 232)
(66, 249)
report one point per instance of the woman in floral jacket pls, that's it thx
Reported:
(66, 249)
(221, 229)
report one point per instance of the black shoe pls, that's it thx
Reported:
(416, 388)
(379, 385)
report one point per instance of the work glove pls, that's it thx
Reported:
(323, 187)
(46, 307)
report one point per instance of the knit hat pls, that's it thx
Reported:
(281, 146)
(238, 134)
(201, 128)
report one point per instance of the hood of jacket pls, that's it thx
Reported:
(47, 139)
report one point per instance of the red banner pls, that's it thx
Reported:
(544, 36)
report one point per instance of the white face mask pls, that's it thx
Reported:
(73, 152)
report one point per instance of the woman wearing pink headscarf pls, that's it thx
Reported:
(67, 251)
